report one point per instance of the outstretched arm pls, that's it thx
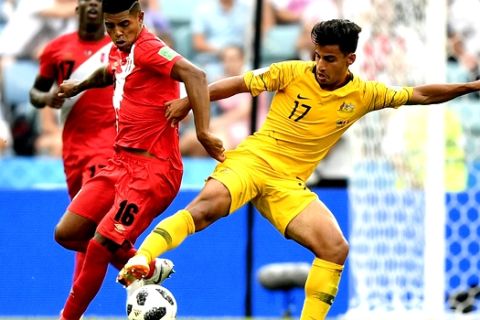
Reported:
(177, 109)
(438, 93)
(98, 79)
(196, 85)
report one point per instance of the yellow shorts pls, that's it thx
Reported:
(279, 198)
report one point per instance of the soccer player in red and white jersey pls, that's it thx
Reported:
(88, 120)
(145, 172)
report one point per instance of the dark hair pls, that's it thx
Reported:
(116, 6)
(341, 32)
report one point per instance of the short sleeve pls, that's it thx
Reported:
(47, 63)
(273, 78)
(159, 58)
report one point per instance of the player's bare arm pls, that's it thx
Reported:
(98, 79)
(196, 85)
(438, 93)
(227, 87)
(178, 109)
(41, 94)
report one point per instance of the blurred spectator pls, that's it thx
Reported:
(5, 135)
(156, 22)
(463, 20)
(232, 120)
(7, 8)
(287, 11)
(49, 139)
(313, 13)
(39, 21)
(216, 24)
(463, 49)
(31, 25)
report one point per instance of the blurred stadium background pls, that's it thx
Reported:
(409, 205)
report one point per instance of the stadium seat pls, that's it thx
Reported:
(178, 12)
(279, 43)
(18, 78)
(182, 39)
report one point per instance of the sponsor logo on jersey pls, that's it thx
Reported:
(342, 123)
(300, 97)
(119, 228)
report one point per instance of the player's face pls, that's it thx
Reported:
(123, 28)
(90, 12)
(332, 66)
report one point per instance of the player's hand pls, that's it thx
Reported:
(136, 267)
(176, 110)
(213, 145)
(54, 100)
(68, 88)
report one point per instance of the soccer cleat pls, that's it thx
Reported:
(163, 270)
(137, 268)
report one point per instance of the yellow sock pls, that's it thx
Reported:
(168, 234)
(320, 289)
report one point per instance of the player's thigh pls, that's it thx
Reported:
(317, 229)
(241, 177)
(148, 187)
(87, 209)
(282, 199)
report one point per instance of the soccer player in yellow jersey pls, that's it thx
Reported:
(314, 103)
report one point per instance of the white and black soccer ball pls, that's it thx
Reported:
(151, 302)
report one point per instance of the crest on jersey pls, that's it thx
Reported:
(167, 53)
(347, 107)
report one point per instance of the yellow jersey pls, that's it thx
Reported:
(305, 121)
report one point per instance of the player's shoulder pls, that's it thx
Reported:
(59, 43)
(293, 68)
(297, 65)
(147, 41)
(60, 40)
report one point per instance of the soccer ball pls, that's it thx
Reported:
(151, 302)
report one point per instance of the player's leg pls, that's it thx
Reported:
(76, 173)
(73, 231)
(316, 228)
(212, 203)
(144, 188)
(230, 186)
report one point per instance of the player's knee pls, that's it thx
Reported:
(205, 217)
(342, 248)
(339, 251)
(208, 207)
(62, 236)
(335, 250)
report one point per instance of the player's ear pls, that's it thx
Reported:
(351, 58)
(140, 16)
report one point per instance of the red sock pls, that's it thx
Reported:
(121, 256)
(79, 258)
(89, 281)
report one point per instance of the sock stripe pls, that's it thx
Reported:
(164, 234)
(325, 297)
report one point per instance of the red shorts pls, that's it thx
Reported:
(124, 197)
(78, 172)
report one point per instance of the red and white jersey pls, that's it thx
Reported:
(88, 118)
(142, 87)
